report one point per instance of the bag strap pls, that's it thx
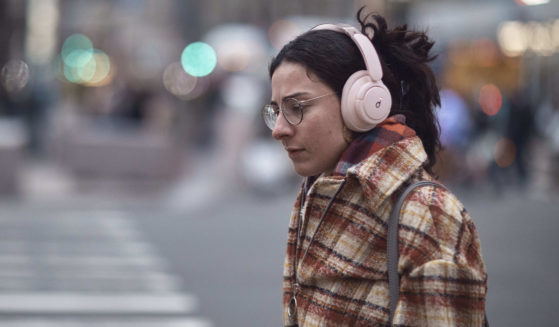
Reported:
(392, 249)
(392, 246)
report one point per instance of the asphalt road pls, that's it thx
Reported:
(219, 262)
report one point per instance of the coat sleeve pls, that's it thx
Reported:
(443, 279)
(442, 293)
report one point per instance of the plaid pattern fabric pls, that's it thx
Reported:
(343, 276)
(391, 130)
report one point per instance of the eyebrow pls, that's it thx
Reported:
(292, 95)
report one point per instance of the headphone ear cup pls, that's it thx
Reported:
(365, 102)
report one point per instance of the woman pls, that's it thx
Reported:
(358, 149)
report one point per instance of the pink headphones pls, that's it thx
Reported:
(366, 101)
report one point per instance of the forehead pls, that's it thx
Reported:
(292, 77)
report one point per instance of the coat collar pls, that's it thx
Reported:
(380, 160)
(384, 171)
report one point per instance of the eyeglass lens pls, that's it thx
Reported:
(270, 114)
(291, 110)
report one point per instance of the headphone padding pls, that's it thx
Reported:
(365, 102)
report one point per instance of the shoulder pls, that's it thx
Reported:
(433, 204)
(440, 261)
(435, 225)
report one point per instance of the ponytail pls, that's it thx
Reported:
(404, 56)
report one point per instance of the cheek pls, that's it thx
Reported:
(329, 143)
(334, 131)
(328, 133)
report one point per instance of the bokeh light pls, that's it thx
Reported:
(77, 55)
(79, 66)
(504, 152)
(531, 2)
(102, 74)
(490, 99)
(76, 49)
(281, 32)
(90, 70)
(512, 38)
(542, 39)
(15, 75)
(515, 37)
(83, 64)
(177, 81)
(239, 47)
(234, 57)
(198, 59)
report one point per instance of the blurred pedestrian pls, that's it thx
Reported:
(520, 130)
(359, 127)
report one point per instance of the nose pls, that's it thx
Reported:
(282, 128)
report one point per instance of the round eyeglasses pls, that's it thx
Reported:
(291, 108)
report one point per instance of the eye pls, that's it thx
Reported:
(297, 105)
(293, 104)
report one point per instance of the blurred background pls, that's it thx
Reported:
(139, 186)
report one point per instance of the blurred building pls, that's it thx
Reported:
(99, 87)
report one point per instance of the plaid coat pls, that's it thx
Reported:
(342, 272)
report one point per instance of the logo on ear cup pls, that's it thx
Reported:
(365, 103)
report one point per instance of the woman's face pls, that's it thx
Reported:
(316, 144)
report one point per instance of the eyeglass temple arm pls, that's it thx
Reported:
(316, 98)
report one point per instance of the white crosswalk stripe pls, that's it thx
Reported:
(144, 322)
(96, 303)
(96, 264)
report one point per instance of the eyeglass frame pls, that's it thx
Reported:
(301, 103)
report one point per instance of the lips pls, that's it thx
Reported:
(294, 151)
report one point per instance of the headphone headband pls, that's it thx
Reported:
(365, 46)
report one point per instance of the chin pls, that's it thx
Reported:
(304, 171)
